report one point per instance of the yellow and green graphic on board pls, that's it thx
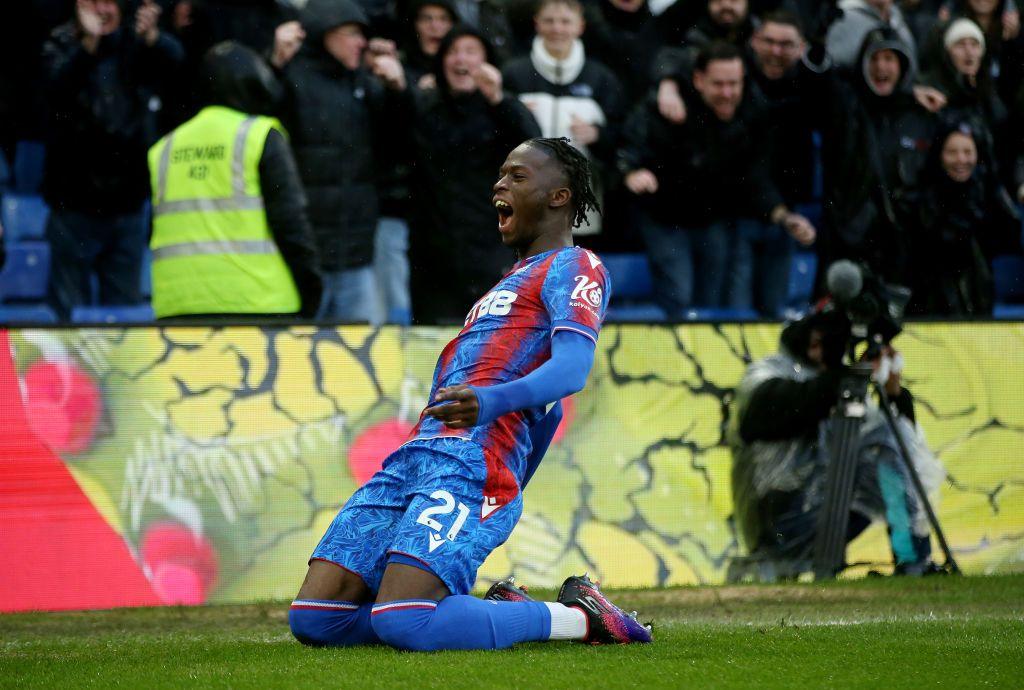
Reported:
(220, 455)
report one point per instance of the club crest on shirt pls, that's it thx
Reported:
(587, 293)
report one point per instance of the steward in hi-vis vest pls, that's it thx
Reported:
(226, 240)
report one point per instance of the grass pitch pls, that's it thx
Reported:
(878, 633)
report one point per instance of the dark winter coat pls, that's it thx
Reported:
(624, 42)
(102, 118)
(981, 106)
(791, 118)
(960, 227)
(873, 151)
(707, 170)
(338, 121)
(461, 142)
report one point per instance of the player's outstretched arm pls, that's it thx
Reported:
(572, 355)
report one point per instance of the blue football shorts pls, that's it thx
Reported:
(426, 503)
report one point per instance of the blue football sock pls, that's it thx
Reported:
(460, 622)
(324, 623)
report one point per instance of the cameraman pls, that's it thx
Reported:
(780, 439)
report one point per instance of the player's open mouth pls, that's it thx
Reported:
(505, 211)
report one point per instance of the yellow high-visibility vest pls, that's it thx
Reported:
(213, 252)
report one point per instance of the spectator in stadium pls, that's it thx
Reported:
(570, 94)
(464, 128)
(846, 35)
(431, 21)
(624, 36)
(778, 45)
(781, 434)
(252, 23)
(725, 20)
(961, 75)
(104, 70)
(200, 24)
(490, 19)
(1004, 42)
(339, 114)
(230, 231)
(876, 138)
(965, 217)
(698, 182)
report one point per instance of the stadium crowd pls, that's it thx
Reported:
(726, 137)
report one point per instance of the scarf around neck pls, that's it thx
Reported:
(560, 72)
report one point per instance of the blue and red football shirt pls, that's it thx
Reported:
(507, 335)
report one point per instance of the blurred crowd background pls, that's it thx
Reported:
(739, 147)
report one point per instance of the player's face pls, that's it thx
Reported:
(523, 194)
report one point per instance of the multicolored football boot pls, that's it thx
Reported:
(606, 622)
(507, 590)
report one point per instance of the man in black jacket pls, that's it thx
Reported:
(875, 141)
(464, 129)
(339, 115)
(781, 435)
(699, 181)
(104, 73)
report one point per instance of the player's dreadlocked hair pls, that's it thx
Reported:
(577, 169)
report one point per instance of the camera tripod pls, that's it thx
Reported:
(833, 521)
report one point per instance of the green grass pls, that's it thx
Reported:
(877, 633)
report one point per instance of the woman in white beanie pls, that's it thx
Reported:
(962, 75)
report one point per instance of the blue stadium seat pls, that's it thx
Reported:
(29, 157)
(1008, 272)
(146, 276)
(139, 313)
(26, 314)
(631, 276)
(24, 217)
(1009, 312)
(801, 280)
(633, 313)
(721, 314)
(26, 274)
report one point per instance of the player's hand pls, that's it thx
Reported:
(389, 70)
(930, 98)
(456, 406)
(642, 181)
(583, 132)
(670, 102)
(146, 22)
(800, 229)
(488, 80)
(288, 38)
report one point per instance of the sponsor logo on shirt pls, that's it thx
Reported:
(586, 294)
